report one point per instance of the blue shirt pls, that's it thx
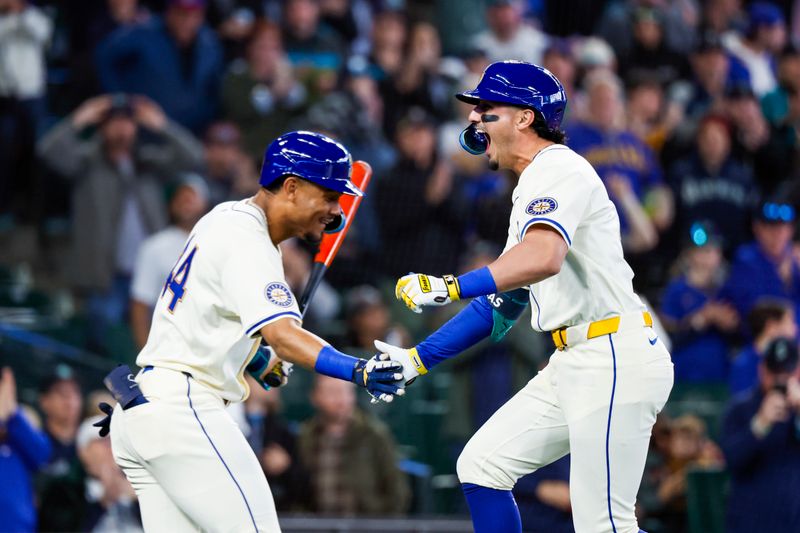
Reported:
(698, 356)
(753, 275)
(23, 451)
(145, 59)
(617, 153)
(765, 473)
(726, 197)
(744, 370)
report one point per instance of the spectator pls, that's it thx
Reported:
(24, 35)
(679, 19)
(112, 165)
(158, 253)
(709, 183)
(261, 93)
(350, 457)
(509, 36)
(389, 33)
(764, 38)
(625, 164)
(689, 448)
(649, 53)
(761, 441)
(314, 49)
(754, 142)
(768, 266)
(275, 445)
(355, 115)
(769, 320)
(60, 487)
(711, 73)
(418, 82)
(112, 504)
(231, 173)
(421, 187)
(775, 105)
(698, 322)
(297, 266)
(23, 450)
(649, 114)
(543, 499)
(368, 320)
(176, 60)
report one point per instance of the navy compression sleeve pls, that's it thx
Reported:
(484, 316)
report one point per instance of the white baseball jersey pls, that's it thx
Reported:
(561, 189)
(227, 284)
(154, 262)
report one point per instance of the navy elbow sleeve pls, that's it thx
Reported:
(471, 325)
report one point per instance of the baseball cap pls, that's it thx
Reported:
(703, 233)
(362, 298)
(764, 14)
(781, 356)
(776, 212)
(60, 373)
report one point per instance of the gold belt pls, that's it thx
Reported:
(596, 329)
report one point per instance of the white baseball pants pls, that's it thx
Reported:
(596, 400)
(189, 463)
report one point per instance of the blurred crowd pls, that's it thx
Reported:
(123, 121)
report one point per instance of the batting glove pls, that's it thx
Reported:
(381, 377)
(278, 373)
(407, 357)
(417, 290)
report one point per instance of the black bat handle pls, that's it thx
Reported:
(317, 271)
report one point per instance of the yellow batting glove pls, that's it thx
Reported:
(418, 290)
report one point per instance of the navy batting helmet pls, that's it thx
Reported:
(312, 157)
(521, 84)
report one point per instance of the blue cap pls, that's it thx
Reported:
(764, 14)
(776, 213)
(312, 157)
(703, 233)
(521, 84)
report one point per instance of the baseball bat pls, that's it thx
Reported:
(328, 248)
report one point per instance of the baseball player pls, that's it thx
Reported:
(190, 465)
(599, 395)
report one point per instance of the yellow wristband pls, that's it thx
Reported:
(453, 291)
(412, 353)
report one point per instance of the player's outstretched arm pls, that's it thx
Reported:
(381, 377)
(485, 316)
(537, 257)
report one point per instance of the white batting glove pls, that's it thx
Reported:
(407, 357)
(417, 290)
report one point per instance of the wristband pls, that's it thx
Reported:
(477, 283)
(331, 362)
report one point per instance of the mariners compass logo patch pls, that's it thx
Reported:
(278, 294)
(541, 206)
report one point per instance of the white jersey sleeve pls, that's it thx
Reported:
(560, 203)
(253, 282)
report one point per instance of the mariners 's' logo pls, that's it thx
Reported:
(279, 294)
(541, 206)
